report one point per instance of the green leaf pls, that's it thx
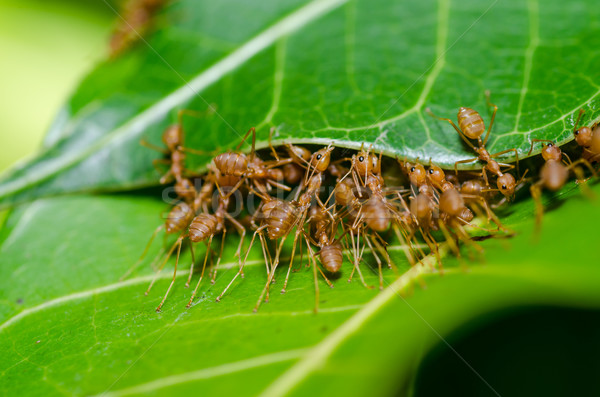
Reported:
(69, 327)
(321, 71)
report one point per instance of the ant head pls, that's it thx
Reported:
(366, 163)
(583, 136)
(416, 173)
(507, 184)
(321, 158)
(551, 152)
(435, 175)
(173, 137)
(451, 203)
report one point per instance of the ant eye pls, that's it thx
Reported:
(361, 159)
(550, 144)
(412, 169)
(576, 132)
(503, 187)
(319, 156)
(430, 171)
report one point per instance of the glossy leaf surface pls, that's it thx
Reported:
(322, 71)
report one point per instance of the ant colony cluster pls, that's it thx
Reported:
(358, 213)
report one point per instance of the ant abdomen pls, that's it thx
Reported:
(202, 227)
(377, 216)
(470, 123)
(332, 257)
(451, 203)
(292, 173)
(280, 219)
(179, 217)
(344, 194)
(231, 164)
(554, 174)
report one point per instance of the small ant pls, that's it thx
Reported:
(173, 139)
(472, 127)
(235, 163)
(589, 139)
(136, 22)
(555, 173)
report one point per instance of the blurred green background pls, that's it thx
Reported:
(47, 47)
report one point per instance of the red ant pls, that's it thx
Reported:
(472, 127)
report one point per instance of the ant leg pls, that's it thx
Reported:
(198, 152)
(367, 240)
(404, 244)
(149, 145)
(166, 177)
(174, 276)
(194, 113)
(233, 189)
(536, 194)
(216, 267)
(533, 141)
(271, 274)
(266, 253)
(585, 189)
(460, 133)
(354, 254)
(463, 235)
(586, 163)
(187, 284)
(516, 158)
(381, 247)
(352, 257)
(164, 262)
(271, 144)
(241, 269)
(311, 258)
(489, 103)
(463, 162)
(436, 249)
(581, 112)
(485, 178)
(299, 229)
(449, 239)
(208, 245)
(242, 232)
(279, 185)
(136, 264)
(245, 137)
(156, 259)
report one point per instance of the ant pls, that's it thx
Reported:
(286, 215)
(203, 227)
(555, 173)
(472, 127)
(136, 22)
(237, 164)
(589, 139)
(173, 139)
(177, 220)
